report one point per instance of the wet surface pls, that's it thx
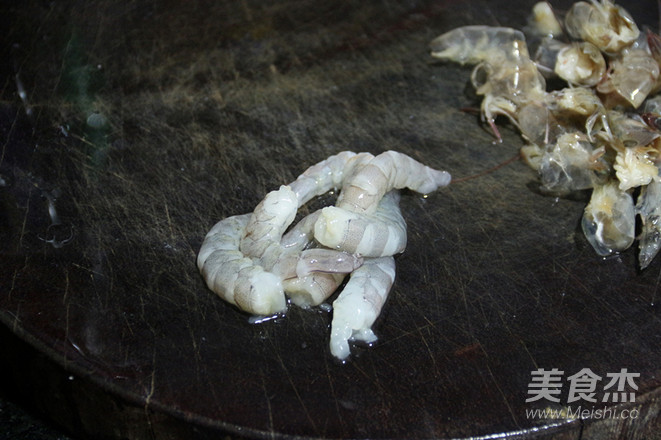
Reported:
(129, 129)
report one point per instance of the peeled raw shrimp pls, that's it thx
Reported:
(235, 277)
(360, 303)
(326, 175)
(315, 288)
(371, 180)
(263, 234)
(250, 261)
(242, 259)
(382, 233)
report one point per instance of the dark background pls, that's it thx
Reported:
(144, 123)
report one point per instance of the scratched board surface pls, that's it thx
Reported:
(130, 128)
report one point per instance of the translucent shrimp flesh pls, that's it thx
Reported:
(371, 180)
(381, 234)
(360, 303)
(242, 259)
(255, 260)
(235, 277)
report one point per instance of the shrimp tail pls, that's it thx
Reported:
(360, 303)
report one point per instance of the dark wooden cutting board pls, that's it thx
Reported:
(143, 124)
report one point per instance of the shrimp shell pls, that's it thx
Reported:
(580, 64)
(504, 72)
(606, 25)
(542, 20)
(475, 44)
(360, 303)
(631, 78)
(634, 167)
(567, 165)
(649, 209)
(609, 219)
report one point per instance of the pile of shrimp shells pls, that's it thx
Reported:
(600, 132)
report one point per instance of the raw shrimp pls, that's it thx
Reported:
(371, 180)
(360, 303)
(242, 259)
(376, 235)
(251, 262)
(315, 288)
(233, 276)
(326, 175)
(263, 234)
(380, 234)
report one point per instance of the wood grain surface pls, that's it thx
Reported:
(144, 123)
